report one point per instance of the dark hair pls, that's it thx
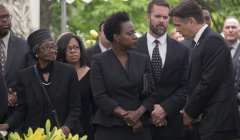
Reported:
(62, 44)
(113, 24)
(157, 2)
(100, 26)
(188, 9)
(204, 8)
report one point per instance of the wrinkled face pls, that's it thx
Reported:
(127, 37)
(5, 21)
(103, 40)
(231, 30)
(158, 20)
(207, 17)
(47, 51)
(185, 29)
(73, 52)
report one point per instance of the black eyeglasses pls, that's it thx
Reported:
(68, 49)
(5, 16)
(48, 48)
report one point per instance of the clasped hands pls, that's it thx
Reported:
(12, 98)
(159, 116)
(132, 118)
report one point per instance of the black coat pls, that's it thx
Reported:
(90, 52)
(64, 92)
(3, 95)
(114, 86)
(211, 85)
(171, 88)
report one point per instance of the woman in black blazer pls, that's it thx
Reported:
(117, 82)
(71, 51)
(60, 82)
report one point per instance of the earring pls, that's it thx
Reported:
(117, 40)
(36, 55)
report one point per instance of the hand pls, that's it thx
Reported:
(12, 98)
(137, 127)
(131, 117)
(158, 114)
(188, 118)
(162, 122)
(65, 130)
(4, 127)
(238, 96)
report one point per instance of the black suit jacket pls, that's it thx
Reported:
(91, 51)
(3, 96)
(211, 85)
(114, 86)
(63, 91)
(171, 88)
(18, 58)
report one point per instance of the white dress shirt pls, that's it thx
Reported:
(162, 46)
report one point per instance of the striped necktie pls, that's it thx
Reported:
(2, 56)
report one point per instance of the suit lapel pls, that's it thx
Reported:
(235, 56)
(169, 56)
(142, 45)
(37, 89)
(12, 48)
(197, 46)
(55, 79)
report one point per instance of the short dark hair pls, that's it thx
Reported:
(113, 24)
(157, 2)
(204, 8)
(188, 9)
(100, 26)
(62, 44)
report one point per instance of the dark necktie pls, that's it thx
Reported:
(2, 56)
(191, 51)
(156, 61)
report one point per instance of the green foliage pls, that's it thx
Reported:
(83, 17)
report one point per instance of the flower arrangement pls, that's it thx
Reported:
(89, 40)
(39, 134)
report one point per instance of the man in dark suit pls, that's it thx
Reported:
(3, 95)
(171, 86)
(100, 47)
(16, 56)
(211, 106)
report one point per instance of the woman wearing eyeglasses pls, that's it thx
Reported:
(71, 51)
(60, 83)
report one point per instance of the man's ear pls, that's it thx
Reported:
(192, 21)
(148, 17)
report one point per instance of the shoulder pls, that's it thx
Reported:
(18, 39)
(92, 48)
(137, 55)
(176, 44)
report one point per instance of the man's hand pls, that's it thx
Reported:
(65, 130)
(238, 96)
(12, 98)
(158, 115)
(188, 121)
(4, 127)
(137, 127)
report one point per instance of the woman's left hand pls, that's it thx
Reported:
(65, 130)
(132, 117)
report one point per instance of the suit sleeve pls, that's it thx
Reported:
(103, 101)
(151, 99)
(176, 101)
(4, 96)
(21, 109)
(74, 100)
(215, 57)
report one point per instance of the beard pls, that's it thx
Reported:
(157, 31)
(5, 31)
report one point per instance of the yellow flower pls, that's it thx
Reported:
(88, 42)
(93, 33)
(93, 42)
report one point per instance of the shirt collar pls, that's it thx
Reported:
(199, 33)
(103, 49)
(6, 39)
(162, 39)
(235, 45)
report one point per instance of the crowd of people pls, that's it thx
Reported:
(183, 86)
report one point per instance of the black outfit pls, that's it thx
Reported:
(95, 49)
(63, 92)
(3, 96)
(211, 86)
(171, 87)
(113, 86)
(88, 106)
